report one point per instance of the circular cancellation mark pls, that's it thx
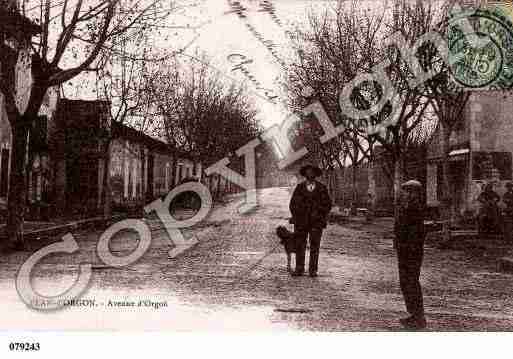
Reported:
(482, 58)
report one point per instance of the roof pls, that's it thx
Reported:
(121, 130)
(95, 107)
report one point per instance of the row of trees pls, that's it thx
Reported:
(346, 41)
(187, 104)
(200, 112)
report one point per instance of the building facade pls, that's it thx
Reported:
(140, 168)
(480, 152)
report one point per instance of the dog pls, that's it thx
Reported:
(289, 242)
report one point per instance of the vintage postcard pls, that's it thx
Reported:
(256, 165)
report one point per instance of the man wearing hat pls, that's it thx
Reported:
(310, 205)
(409, 244)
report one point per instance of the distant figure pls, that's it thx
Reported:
(409, 244)
(489, 213)
(310, 205)
(508, 220)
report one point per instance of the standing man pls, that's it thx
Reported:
(309, 206)
(409, 244)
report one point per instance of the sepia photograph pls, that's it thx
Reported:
(289, 166)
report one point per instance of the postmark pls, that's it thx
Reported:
(481, 48)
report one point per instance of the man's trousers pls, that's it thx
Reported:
(410, 260)
(314, 235)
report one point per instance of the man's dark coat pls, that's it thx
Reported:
(310, 209)
(409, 243)
(409, 228)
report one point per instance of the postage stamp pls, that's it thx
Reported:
(481, 55)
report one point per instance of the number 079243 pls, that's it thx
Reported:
(24, 347)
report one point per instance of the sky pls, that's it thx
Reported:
(225, 38)
(228, 41)
(213, 28)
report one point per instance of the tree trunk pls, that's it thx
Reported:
(174, 170)
(446, 207)
(343, 186)
(58, 153)
(354, 190)
(336, 187)
(372, 183)
(16, 202)
(329, 185)
(333, 182)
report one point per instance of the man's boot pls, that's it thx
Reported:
(414, 322)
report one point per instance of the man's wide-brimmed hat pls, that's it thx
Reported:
(412, 183)
(316, 170)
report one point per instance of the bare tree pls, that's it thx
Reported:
(202, 116)
(441, 103)
(325, 62)
(413, 121)
(449, 105)
(348, 41)
(449, 101)
(123, 81)
(73, 34)
(339, 43)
